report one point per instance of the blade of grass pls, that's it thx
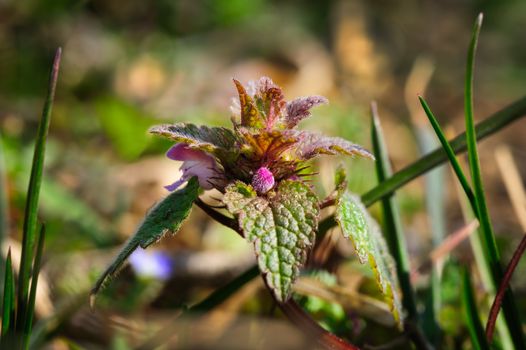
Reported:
(33, 192)
(393, 227)
(33, 291)
(485, 128)
(450, 153)
(488, 238)
(478, 338)
(8, 306)
(483, 267)
(395, 236)
(4, 211)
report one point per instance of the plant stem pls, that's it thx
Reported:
(497, 302)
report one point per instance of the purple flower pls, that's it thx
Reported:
(153, 263)
(195, 163)
(263, 180)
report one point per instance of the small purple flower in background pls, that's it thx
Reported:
(152, 263)
(195, 163)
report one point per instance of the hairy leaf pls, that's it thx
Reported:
(166, 217)
(299, 109)
(215, 140)
(281, 227)
(370, 246)
(250, 117)
(312, 144)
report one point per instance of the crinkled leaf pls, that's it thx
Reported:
(370, 246)
(312, 144)
(250, 116)
(215, 140)
(299, 109)
(282, 229)
(165, 217)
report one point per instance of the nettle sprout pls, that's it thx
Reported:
(258, 166)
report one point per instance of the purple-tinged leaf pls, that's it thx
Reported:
(214, 140)
(299, 109)
(312, 144)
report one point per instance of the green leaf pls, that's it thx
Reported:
(476, 331)
(282, 228)
(33, 194)
(215, 140)
(370, 246)
(166, 217)
(8, 305)
(491, 252)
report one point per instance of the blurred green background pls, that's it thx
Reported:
(128, 65)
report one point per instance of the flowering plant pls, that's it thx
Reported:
(259, 167)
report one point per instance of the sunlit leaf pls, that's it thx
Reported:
(250, 117)
(215, 140)
(370, 246)
(312, 144)
(166, 217)
(282, 228)
(299, 109)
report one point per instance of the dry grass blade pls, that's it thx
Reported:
(513, 182)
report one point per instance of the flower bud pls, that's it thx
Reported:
(263, 180)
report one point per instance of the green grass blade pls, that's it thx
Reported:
(8, 306)
(450, 153)
(492, 124)
(33, 192)
(393, 227)
(33, 292)
(480, 257)
(476, 331)
(488, 239)
(4, 211)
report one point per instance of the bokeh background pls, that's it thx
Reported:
(128, 65)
